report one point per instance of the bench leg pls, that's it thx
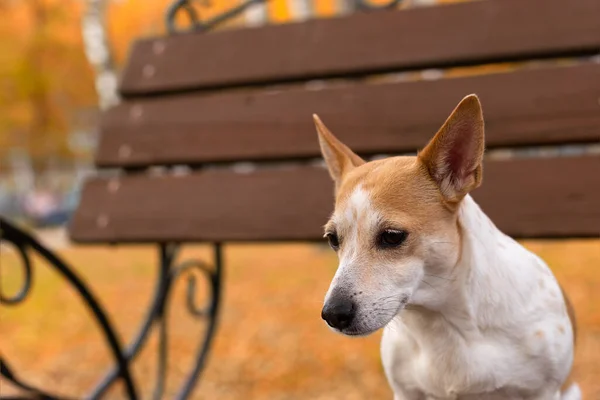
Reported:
(156, 317)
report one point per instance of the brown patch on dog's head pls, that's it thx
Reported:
(401, 193)
(394, 194)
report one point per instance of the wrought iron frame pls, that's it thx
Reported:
(169, 271)
(187, 7)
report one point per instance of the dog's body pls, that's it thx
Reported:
(502, 331)
(468, 312)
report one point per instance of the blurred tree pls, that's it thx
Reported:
(98, 52)
(49, 90)
(44, 76)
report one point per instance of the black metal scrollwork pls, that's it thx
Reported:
(27, 279)
(156, 316)
(364, 5)
(24, 243)
(187, 7)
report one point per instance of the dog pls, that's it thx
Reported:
(467, 312)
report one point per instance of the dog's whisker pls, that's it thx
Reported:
(386, 310)
(440, 277)
(389, 303)
(383, 299)
(430, 285)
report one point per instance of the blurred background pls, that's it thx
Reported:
(59, 60)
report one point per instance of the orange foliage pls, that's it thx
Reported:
(44, 75)
(45, 79)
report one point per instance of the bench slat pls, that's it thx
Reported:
(450, 35)
(528, 107)
(526, 198)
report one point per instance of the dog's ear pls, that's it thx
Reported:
(338, 157)
(454, 156)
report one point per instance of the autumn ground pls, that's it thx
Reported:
(271, 342)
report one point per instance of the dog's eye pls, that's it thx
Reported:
(334, 241)
(391, 238)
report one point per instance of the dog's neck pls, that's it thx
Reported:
(475, 288)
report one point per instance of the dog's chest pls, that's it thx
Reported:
(445, 367)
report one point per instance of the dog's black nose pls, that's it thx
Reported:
(339, 313)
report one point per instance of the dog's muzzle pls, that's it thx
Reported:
(339, 313)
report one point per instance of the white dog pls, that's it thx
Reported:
(468, 312)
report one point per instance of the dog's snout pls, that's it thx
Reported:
(339, 313)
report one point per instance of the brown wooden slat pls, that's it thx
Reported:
(526, 198)
(458, 34)
(541, 106)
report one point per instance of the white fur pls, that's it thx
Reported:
(495, 328)
(359, 210)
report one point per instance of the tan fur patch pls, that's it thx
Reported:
(401, 189)
(539, 334)
(393, 184)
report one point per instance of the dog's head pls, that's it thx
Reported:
(395, 221)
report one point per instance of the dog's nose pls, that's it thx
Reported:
(339, 313)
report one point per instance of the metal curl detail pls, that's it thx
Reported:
(187, 7)
(21, 248)
(198, 25)
(24, 241)
(365, 5)
(191, 288)
(214, 275)
(175, 8)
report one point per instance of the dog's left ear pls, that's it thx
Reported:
(338, 157)
(454, 156)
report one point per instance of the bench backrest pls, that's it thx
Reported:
(209, 101)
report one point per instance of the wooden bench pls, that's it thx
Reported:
(214, 140)
(208, 100)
